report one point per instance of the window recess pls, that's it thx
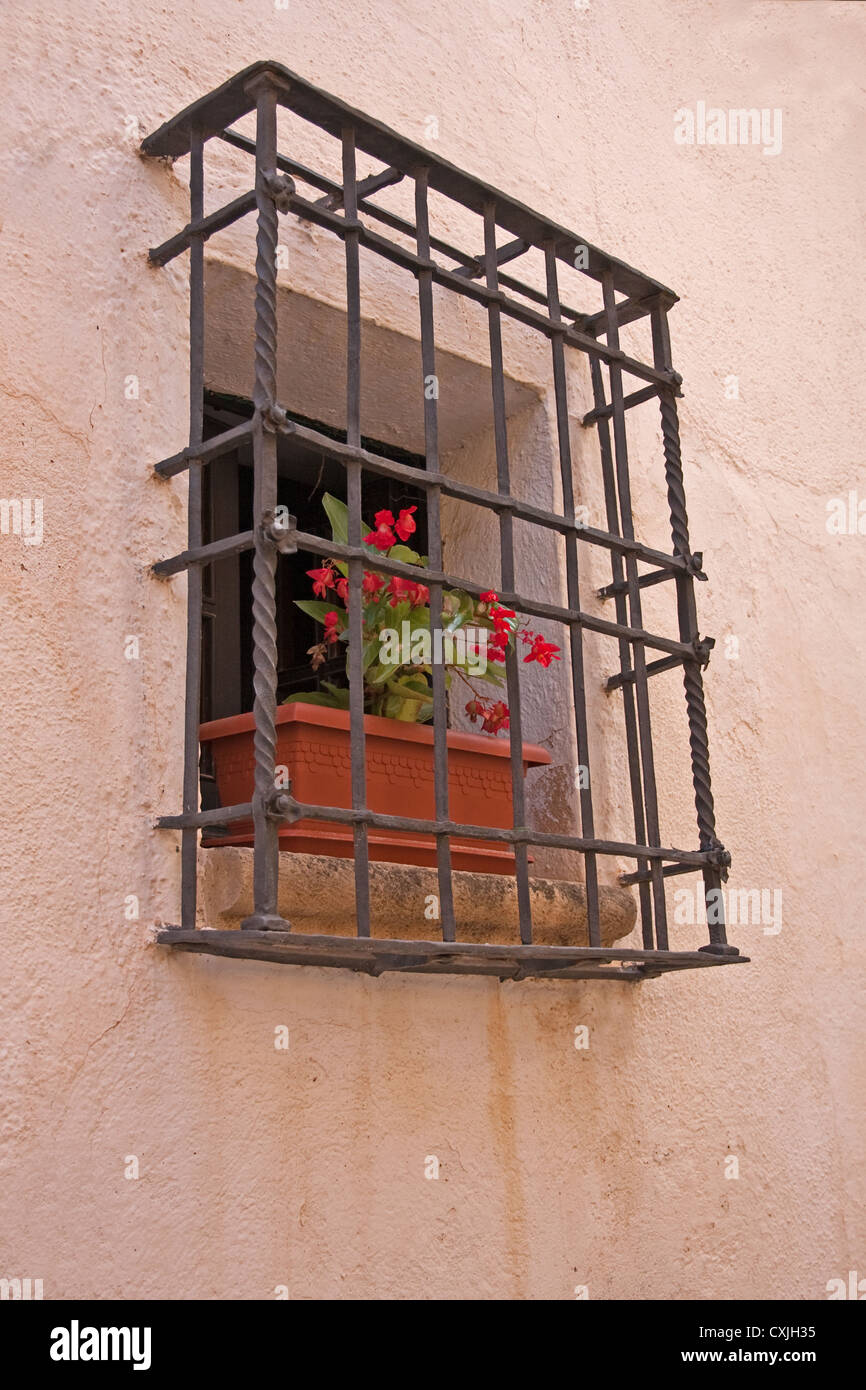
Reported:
(269, 447)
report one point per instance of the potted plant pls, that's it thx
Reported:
(399, 652)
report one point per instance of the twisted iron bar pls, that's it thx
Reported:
(699, 744)
(265, 387)
(674, 474)
(692, 677)
(265, 556)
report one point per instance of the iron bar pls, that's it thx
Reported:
(192, 703)
(474, 268)
(648, 393)
(201, 228)
(482, 294)
(384, 179)
(620, 451)
(655, 668)
(374, 957)
(320, 545)
(430, 388)
(646, 581)
(688, 623)
(205, 554)
(204, 452)
(627, 311)
(233, 100)
(356, 563)
(506, 562)
(629, 711)
(217, 815)
(644, 876)
(627, 297)
(386, 217)
(287, 808)
(265, 915)
(572, 570)
(452, 487)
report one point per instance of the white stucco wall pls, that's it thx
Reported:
(605, 1167)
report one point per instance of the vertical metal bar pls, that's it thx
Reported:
(688, 625)
(631, 731)
(265, 914)
(356, 567)
(639, 654)
(506, 550)
(572, 570)
(434, 546)
(192, 711)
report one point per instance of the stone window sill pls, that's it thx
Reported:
(316, 896)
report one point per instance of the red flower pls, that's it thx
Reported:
(497, 718)
(342, 587)
(332, 626)
(487, 597)
(401, 589)
(542, 652)
(382, 536)
(405, 523)
(372, 583)
(323, 580)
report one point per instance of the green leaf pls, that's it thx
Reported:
(315, 697)
(338, 514)
(380, 675)
(406, 556)
(316, 608)
(339, 692)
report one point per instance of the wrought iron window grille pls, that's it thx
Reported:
(262, 88)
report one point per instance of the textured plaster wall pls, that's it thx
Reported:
(305, 1168)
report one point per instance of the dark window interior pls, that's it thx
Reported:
(304, 476)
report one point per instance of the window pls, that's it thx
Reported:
(254, 469)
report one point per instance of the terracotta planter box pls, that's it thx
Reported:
(313, 742)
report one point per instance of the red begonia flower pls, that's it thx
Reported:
(323, 580)
(382, 536)
(405, 523)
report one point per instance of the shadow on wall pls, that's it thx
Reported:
(311, 374)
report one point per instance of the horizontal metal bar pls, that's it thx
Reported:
(291, 810)
(399, 255)
(604, 412)
(496, 501)
(377, 956)
(391, 219)
(646, 581)
(203, 453)
(654, 668)
(220, 108)
(204, 228)
(645, 876)
(205, 554)
(627, 311)
(318, 545)
(465, 492)
(384, 179)
(217, 815)
(509, 252)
